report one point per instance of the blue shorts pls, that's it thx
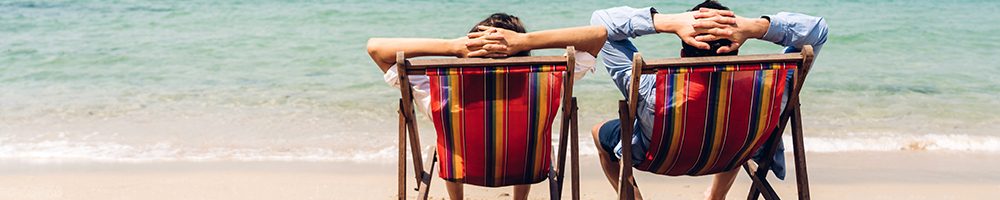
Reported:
(610, 136)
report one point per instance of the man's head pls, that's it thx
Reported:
(504, 21)
(691, 51)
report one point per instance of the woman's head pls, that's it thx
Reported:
(691, 51)
(504, 21)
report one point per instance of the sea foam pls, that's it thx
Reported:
(55, 151)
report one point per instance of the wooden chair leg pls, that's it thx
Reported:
(760, 184)
(423, 187)
(554, 185)
(759, 176)
(414, 138)
(625, 190)
(401, 158)
(574, 152)
(555, 191)
(801, 176)
(561, 171)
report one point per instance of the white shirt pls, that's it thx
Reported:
(422, 85)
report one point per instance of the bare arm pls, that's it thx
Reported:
(383, 50)
(585, 38)
(588, 38)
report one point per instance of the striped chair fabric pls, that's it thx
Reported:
(710, 119)
(494, 123)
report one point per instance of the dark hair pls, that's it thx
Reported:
(691, 51)
(504, 21)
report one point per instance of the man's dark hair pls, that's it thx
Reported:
(504, 21)
(691, 51)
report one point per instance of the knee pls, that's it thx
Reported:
(596, 131)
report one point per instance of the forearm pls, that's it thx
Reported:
(794, 30)
(383, 50)
(622, 23)
(667, 23)
(753, 27)
(584, 38)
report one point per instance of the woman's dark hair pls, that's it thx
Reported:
(691, 51)
(504, 21)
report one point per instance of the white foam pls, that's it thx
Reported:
(69, 151)
(900, 142)
(63, 150)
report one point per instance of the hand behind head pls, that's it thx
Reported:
(493, 42)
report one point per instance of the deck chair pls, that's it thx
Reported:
(712, 113)
(493, 119)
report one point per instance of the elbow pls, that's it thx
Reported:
(821, 30)
(374, 47)
(602, 19)
(377, 50)
(597, 17)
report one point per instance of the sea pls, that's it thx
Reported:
(260, 80)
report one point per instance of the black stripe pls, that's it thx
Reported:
(490, 133)
(532, 127)
(754, 118)
(661, 153)
(707, 144)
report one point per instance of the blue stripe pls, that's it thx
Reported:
(446, 118)
(532, 125)
(754, 117)
(666, 136)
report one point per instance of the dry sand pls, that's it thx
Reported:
(906, 175)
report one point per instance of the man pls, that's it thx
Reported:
(791, 30)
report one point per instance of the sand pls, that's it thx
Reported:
(903, 175)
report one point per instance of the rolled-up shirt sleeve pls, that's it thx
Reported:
(625, 22)
(622, 23)
(794, 30)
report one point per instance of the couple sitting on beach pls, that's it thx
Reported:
(708, 30)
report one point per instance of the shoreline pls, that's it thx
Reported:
(906, 175)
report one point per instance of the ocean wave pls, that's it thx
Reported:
(900, 142)
(69, 151)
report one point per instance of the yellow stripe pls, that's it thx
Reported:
(680, 84)
(765, 104)
(457, 132)
(543, 104)
(500, 122)
(721, 114)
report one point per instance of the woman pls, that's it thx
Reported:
(383, 52)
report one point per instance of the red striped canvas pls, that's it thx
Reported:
(710, 119)
(494, 123)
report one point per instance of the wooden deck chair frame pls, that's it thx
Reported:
(408, 126)
(756, 172)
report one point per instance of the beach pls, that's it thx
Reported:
(912, 175)
(267, 99)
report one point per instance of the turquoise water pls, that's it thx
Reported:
(276, 80)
